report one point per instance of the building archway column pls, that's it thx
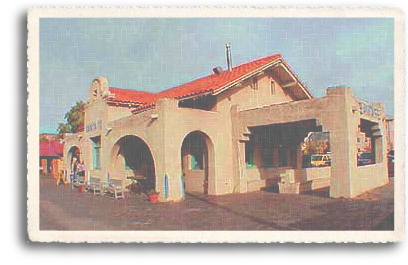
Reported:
(299, 154)
(168, 161)
(342, 142)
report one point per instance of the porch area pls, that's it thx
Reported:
(291, 158)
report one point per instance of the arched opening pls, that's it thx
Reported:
(132, 160)
(196, 157)
(74, 157)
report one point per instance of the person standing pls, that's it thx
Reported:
(61, 178)
(73, 167)
(81, 169)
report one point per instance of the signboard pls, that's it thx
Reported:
(93, 126)
(370, 109)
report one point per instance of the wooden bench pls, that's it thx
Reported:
(115, 188)
(94, 186)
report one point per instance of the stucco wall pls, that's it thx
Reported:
(164, 136)
(164, 129)
(336, 113)
(194, 181)
(117, 112)
(216, 126)
(246, 97)
(364, 178)
(309, 178)
(71, 141)
(141, 126)
(369, 177)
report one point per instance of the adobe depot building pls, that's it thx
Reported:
(236, 130)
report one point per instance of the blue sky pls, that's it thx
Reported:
(155, 54)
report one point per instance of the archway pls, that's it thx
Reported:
(132, 159)
(74, 156)
(197, 161)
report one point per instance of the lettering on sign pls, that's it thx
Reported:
(370, 109)
(93, 126)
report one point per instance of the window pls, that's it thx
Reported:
(255, 83)
(96, 152)
(273, 87)
(249, 153)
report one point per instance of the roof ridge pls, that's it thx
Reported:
(199, 86)
(131, 89)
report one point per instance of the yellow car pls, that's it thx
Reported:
(321, 160)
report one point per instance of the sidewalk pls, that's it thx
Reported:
(62, 209)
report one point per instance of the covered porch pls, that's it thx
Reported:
(280, 156)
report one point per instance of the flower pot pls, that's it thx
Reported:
(154, 198)
(81, 189)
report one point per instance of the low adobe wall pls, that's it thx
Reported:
(369, 177)
(340, 114)
(307, 178)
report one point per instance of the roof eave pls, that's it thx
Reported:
(248, 75)
(297, 80)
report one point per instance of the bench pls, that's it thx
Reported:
(94, 186)
(115, 188)
(76, 179)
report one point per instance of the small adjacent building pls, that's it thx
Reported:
(51, 153)
(233, 131)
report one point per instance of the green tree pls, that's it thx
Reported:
(74, 120)
(313, 147)
(62, 129)
(43, 138)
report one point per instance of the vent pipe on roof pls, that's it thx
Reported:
(229, 57)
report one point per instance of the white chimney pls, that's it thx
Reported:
(229, 57)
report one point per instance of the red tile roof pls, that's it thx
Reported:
(52, 147)
(123, 96)
(213, 82)
(208, 84)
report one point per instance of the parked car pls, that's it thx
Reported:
(364, 159)
(321, 160)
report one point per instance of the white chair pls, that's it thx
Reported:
(95, 185)
(115, 188)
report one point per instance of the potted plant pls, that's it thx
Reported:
(81, 189)
(153, 196)
(81, 185)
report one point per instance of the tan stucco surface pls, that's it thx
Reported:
(225, 130)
